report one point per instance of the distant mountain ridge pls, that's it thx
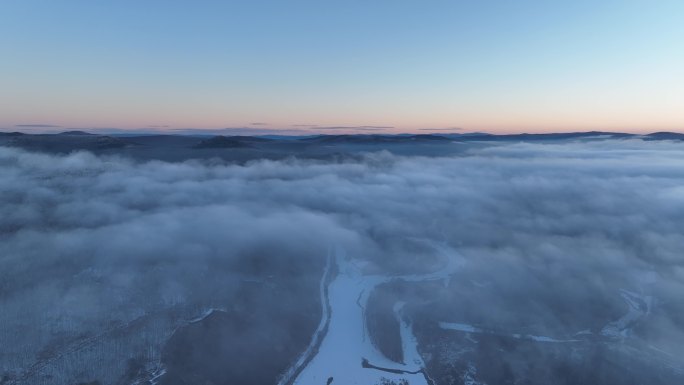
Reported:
(386, 138)
(174, 147)
(75, 132)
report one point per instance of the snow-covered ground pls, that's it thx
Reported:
(320, 330)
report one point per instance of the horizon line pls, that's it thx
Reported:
(250, 131)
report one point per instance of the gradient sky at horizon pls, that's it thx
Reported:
(383, 66)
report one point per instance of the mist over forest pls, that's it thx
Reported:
(115, 270)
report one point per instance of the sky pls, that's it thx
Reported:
(343, 66)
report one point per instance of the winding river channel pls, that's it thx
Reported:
(341, 350)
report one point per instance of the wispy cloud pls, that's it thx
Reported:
(442, 129)
(363, 128)
(37, 126)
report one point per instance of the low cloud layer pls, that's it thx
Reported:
(90, 243)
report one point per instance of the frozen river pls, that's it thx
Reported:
(341, 351)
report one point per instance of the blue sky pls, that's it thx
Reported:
(499, 66)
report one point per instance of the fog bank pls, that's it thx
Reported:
(102, 258)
